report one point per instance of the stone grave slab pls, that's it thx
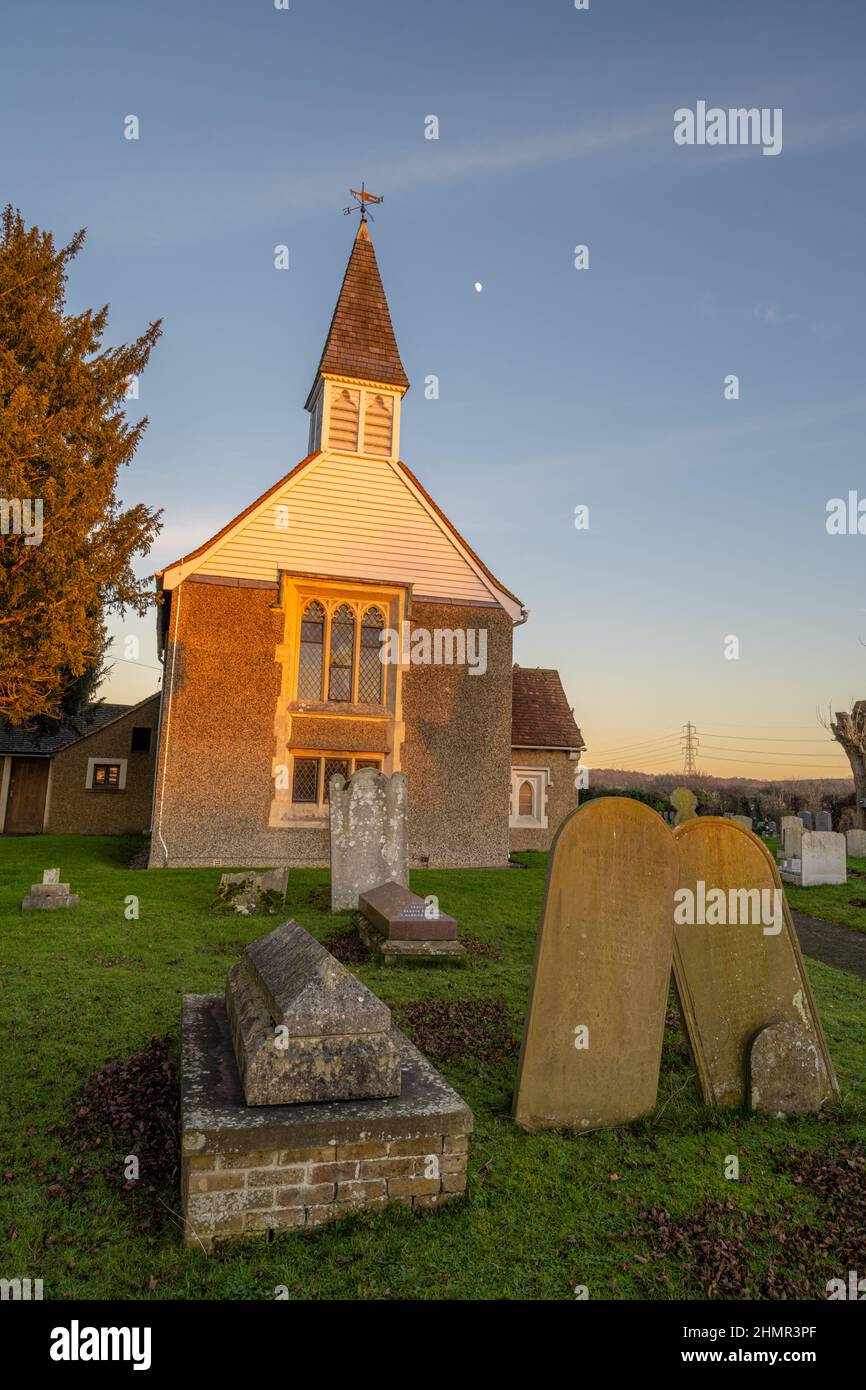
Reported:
(787, 1075)
(253, 893)
(855, 842)
(305, 1028)
(806, 818)
(823, 821)
(735, 977)
(369, 837)
(595, 1020)
(401, 915)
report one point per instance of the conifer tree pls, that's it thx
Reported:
(67, 543)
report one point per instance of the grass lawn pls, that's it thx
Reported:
(642, 1212)
(832, 902)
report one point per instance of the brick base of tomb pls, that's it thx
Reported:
(250, 1170)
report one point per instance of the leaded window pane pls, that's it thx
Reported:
(369, 658)
(332, 767)
(342, 654)
(305, 781)
(310, 657)
(525, 800)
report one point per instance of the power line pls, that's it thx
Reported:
(752, 738)
(771, 753)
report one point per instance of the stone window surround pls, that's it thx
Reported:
(539, 779)
(106, 761)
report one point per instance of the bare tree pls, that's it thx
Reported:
(849, 729)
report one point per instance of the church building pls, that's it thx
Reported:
(341, 621)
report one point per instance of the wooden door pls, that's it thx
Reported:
(25, 808)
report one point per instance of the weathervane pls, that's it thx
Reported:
(362, 198)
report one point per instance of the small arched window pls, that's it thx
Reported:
(526, 800)
(342, 655)
(370, 669)
(311, 657)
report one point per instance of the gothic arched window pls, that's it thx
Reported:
(310, 661)
(369, 658)
(526, 800)
(342, 654)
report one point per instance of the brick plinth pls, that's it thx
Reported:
(250, 1170)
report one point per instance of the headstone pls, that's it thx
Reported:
(744, 821)
(772, 828)
(737, 962)
(823, 821)
(304, 1028)
(806, 818)
(856, 843)
(369, 843)
(787, 1074)
(251, 893)
(685, 804)
(50, 894)
(400, 925)
(792, 836)
(403, 916)
(822, 859)
(595, 1021)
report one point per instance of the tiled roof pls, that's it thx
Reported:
(361, 340)
(541, 716)
(92, 717)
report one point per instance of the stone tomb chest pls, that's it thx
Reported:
(302, 1102)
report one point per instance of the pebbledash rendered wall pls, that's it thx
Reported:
(213, 787)
(76, 809)
(561, 796)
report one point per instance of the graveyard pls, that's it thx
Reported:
(648, 1209)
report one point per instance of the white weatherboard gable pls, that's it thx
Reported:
(348, 515)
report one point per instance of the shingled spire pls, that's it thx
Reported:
(361, 343)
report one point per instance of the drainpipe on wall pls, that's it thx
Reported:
(173, 648)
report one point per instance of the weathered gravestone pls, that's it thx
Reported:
(305, 1026)
(823, 821)
(855, 842)
(253, 893)
(821, 859)
(685, 804)
(806, 818)
(595, 1021)
(369, 842)
(50, 894)
(401, 925)
(787, 1072)
(737, 962)
(792, 837)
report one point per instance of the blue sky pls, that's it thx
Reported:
(558, 387)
